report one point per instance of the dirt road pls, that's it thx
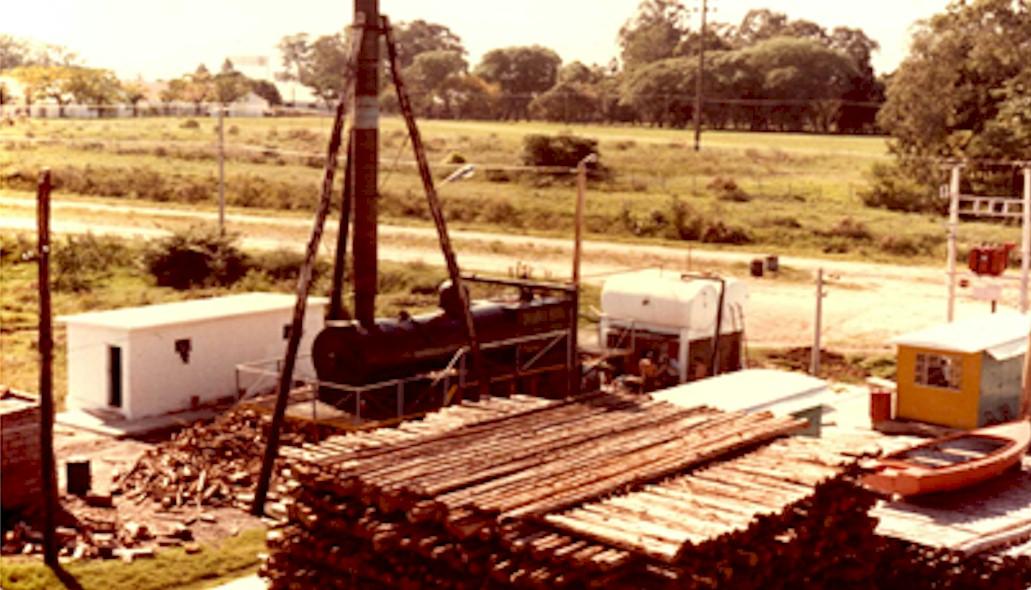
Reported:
(866, 303)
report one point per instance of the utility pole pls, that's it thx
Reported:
(46, 379)
(814, 361)
(221, 170)
(365, 162)
(953, 228)
(1025, 245)
(698, 81)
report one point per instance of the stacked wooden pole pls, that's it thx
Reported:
(462, 498)
(786, 515)
(975, 538)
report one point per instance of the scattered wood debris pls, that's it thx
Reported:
(207, 464)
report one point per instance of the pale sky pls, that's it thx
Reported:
(162, 39)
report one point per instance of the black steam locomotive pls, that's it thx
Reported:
(408, 365)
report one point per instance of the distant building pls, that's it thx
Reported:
(152, 360)
(965, 374)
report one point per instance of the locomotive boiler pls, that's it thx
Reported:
(414, 363)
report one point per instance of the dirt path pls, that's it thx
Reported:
(866, 303)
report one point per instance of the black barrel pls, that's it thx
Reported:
(79, 479)
(757, 267)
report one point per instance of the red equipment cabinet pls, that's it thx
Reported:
(990, 259)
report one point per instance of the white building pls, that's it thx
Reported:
(156, 359)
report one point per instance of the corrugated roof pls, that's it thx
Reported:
(183, 312)
(973, 334)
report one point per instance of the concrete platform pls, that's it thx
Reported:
(117, 427)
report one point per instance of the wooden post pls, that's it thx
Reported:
(953, 227)
(573, 358)
(221, 171)
(46, 383)
(698, 81)
(436, 210)
(336, 293)
(304, 280)
(1025, 242)
(1025, 398)
(814, 362)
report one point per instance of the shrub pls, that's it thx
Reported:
(285, 265)
(80, 261)
(189, 124)
(196, 257)
(454, 158)
(17, 248)
(851, 229)
(726, 189)
(564, 150)
(920, 245)
(891, 188)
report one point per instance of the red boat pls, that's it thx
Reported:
(952, 462)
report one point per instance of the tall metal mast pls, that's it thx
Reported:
(365, 162)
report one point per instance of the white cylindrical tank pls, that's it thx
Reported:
(661, 299)
(664, 300)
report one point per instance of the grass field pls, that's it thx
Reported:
(170, 569)
(796, 193)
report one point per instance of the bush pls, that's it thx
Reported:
(196, 257)
(285, 265)
(17, 248)
(563, 150)
(80, 261)
(921, 245)
(189, 124)
(726, 189)
(851, 229)
(891, 188)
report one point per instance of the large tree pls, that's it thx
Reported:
(229, 85)
(962, 91)
(653, 33)
(93, 86)
(521, 73)
(419, 36)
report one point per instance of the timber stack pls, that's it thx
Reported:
(525, 492)
(975, 538)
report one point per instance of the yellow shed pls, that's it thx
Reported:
(964, 374)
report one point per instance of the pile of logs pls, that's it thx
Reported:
(206, 464)
(464, 497)
(787, 515)
(979, 537)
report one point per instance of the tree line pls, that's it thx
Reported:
(768, 72)
(51, 72)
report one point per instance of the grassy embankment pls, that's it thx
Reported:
(798, 194)
(170, 569)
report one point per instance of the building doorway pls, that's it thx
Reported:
(114, 387)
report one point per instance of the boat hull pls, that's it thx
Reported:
(975, 457)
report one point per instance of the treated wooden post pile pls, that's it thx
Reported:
(976, 538)
(460, 499)
(786, 515)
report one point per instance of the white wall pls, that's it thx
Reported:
(88, 365)
(157, 381)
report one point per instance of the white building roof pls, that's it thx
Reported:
(184, 312)
(998, 333)
(751, 390)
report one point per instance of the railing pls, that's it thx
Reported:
(259, 378)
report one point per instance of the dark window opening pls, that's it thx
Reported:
(114, 384)
(182, 348)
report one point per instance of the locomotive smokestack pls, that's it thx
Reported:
(366, 161)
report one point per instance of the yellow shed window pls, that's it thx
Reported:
(939, 370)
